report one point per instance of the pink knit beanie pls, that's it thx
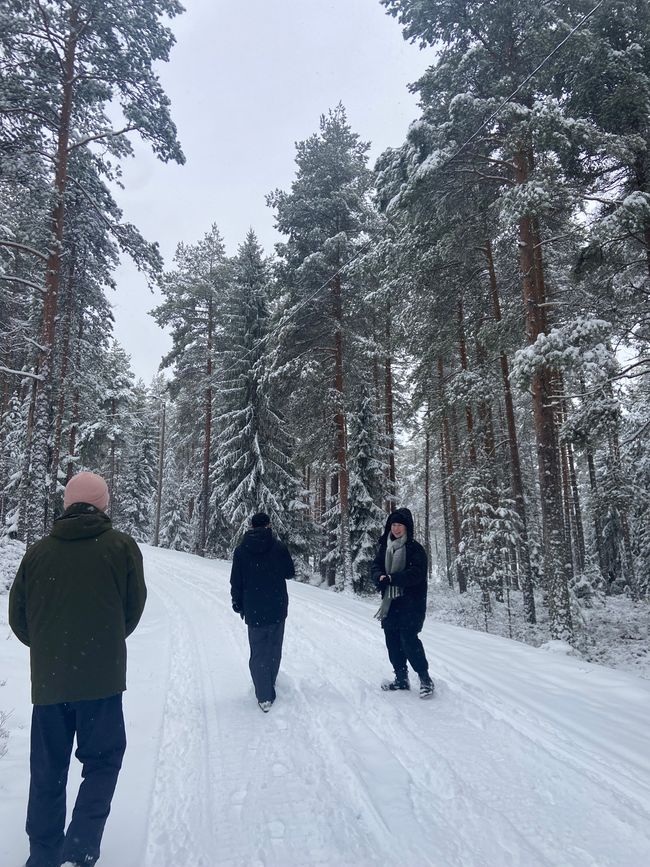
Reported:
(86, 488)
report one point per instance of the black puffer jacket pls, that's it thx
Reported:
(407, 611)
(261, 565)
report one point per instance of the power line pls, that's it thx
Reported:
(450, 159)
(526, 80)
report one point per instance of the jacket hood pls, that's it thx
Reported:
(401, 516)
(259, 540)
(81, 521)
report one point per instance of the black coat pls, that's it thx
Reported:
(261, 565)
(407, 611)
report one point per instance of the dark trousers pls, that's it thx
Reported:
(101, 741)
(266, 652)
(404, 645)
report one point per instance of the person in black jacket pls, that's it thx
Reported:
(399, 571)
(261, 565)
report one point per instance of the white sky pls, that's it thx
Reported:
(247, 79)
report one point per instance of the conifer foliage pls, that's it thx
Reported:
(254, 470)
(462, 329)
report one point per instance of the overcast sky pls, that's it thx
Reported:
(248, 79)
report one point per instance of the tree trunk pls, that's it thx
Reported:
(462, 348)
(37, 491)
(516, 477)
(595, 507)
(332, 542)
(341, 436)
(207, 436)
(391, 499)
(63, 373)
(74, 415)
(427, 495)
(573, 494)
(628, 558)
(453, 505)
(322, 508)
(444, 489)
(556, 565)
(161, 462)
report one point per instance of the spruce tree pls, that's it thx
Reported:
(254, 470)
(367, 486)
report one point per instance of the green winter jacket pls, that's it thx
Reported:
(78, 593)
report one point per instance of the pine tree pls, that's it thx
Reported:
(138, 490)
(67, 63)
(323, 217)
(175, 522)
(254, 470)
(194, 293)
(367, 486)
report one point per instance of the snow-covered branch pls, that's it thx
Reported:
(20, 373)
(23, 281)
(25, 248)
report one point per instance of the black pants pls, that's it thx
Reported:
(266, 652)
(101, 741)
(404, 645)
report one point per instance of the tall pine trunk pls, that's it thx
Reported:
(451, 493)
(391, 499)
(341, 436)
(462, 351)
(516, 476)
(76, 397)
(556, 565)
(62, 384)
(427, 494)
(38, 444)
(444, 491)
(207, 436)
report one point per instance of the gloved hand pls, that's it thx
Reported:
(236, 608)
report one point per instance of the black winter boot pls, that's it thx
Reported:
(426, 686)
(401, 682)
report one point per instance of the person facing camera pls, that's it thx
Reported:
(399, 571)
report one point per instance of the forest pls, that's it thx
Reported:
(462, 328)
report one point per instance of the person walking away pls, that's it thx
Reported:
(399, 571)
(78, 594)
(261, 566)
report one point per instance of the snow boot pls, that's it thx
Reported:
(401, 681)
(265, 705)
(426, 686)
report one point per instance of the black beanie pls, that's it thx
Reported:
(261, 519)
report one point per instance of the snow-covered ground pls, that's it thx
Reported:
(524, 757)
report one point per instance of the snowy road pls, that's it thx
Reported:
(524, 757)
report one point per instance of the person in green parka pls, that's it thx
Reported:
(78, 594)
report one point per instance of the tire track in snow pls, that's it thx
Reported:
(505, 760)
(264, 807)
(473, 781)
(440, 799)
(181, 796)
(396, 812)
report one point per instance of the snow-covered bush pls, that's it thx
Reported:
(11, 553)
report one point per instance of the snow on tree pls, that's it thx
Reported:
(367, 486)
(254, 470)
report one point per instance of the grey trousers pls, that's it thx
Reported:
(266, 652)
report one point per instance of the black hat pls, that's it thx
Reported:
(401, 516)
(261, 519)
